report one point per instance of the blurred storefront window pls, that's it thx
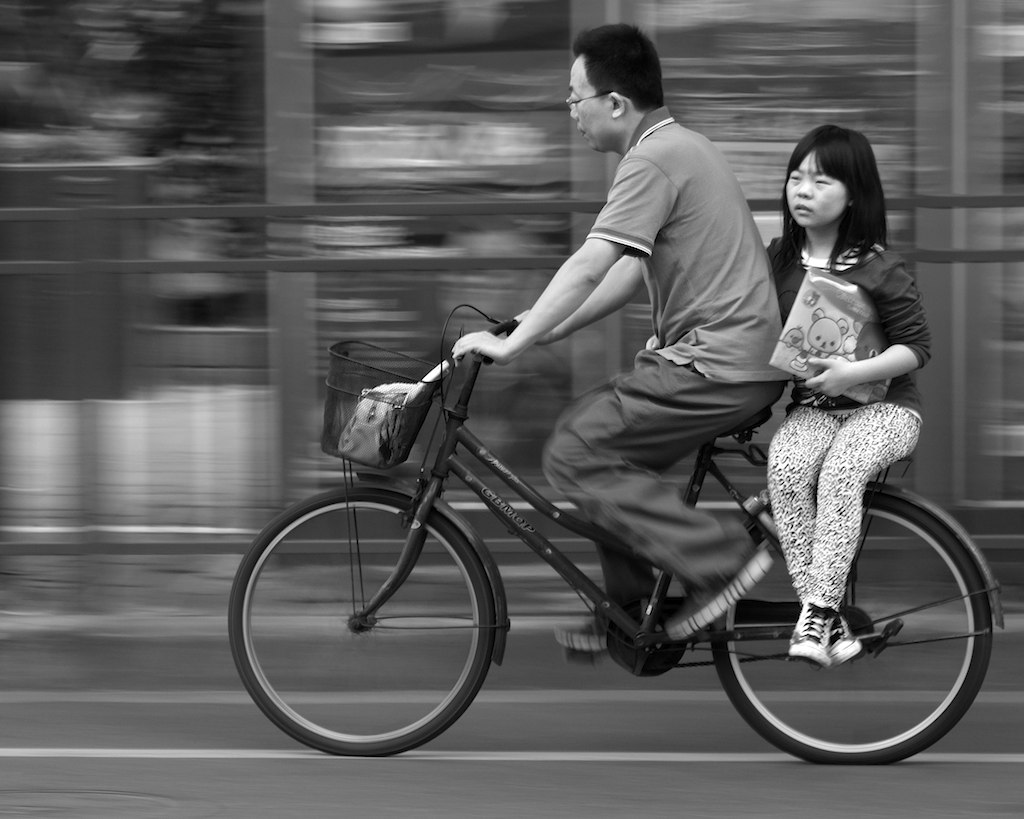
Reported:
(130, 399)
(444, 100)
(1000, 47)
(199, 375)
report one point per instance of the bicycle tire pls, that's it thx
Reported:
(348, 690)
(885, 708)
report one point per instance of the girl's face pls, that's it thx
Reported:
(816, 200)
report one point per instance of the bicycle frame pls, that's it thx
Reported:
(448, 463)
(777, 617)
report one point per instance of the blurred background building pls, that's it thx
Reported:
(198, 196)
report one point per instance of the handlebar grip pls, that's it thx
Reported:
(504, 327)
(501, 328)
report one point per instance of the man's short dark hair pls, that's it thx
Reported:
(620, 57)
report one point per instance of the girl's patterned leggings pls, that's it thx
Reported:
(819, 465)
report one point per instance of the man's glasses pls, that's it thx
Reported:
(572, 103)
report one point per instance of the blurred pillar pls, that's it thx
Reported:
(62, 333)
(290, 180)
(953, 158)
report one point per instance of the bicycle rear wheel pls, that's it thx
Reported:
(911, 572)
(342, 685)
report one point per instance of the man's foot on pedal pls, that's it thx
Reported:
(704, 606)
(584, 642)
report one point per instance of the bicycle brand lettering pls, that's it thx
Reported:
(498, 465)
(509, 512)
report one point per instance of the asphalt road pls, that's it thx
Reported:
(120, 727)
(129, 706)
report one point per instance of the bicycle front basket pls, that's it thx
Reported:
(376, 404)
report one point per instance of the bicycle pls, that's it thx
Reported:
(339, 591)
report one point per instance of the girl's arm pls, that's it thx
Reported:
(905, 325)
(900, 308)
(837, 375)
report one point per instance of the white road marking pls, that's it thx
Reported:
(494, 697)
(666, 758)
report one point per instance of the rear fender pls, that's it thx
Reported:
(944, 520)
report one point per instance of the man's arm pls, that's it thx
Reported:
(573, 284)
(614, 292)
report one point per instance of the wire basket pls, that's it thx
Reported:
(376, 403)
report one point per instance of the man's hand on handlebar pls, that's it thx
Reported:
(497, 349)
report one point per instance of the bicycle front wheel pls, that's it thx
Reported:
(913, 582)
(345, 684)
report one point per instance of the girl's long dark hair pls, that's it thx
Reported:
(846, 155)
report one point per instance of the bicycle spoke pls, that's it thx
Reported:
(931, 605)
(921, 667)
(327, 625)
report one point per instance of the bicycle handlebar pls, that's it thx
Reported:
(504, 327)
(500, 328)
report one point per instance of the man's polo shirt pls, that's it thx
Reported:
(675, 201)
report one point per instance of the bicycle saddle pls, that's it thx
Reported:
(748, 426)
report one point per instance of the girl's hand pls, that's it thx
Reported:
(485, 344)
(834, 377)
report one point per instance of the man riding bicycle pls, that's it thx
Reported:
(676, 221)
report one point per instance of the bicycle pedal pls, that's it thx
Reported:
(876, 645)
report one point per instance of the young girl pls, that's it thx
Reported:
(829, 446)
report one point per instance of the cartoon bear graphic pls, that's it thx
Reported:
(870, 341)
(825, 339)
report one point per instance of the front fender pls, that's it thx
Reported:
(501, 618)
(493, 575)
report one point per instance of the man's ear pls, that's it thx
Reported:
(620, 104)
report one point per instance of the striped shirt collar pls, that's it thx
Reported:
(652, 121)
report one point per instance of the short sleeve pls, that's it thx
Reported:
(639, 204)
